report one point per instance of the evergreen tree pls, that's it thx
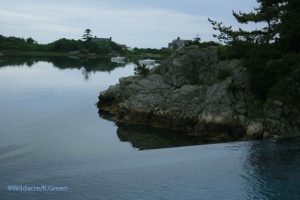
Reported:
(290, 27)
(30, 41)
(268, 11)
(270, 54)
(87, 35)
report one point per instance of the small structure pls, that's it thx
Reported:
(123, 46)
(96, 39)
(177, 43)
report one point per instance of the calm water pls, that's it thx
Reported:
(51, 134)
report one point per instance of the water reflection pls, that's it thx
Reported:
(143, 137)
(51, 134)
(87, 65)
(273, 169)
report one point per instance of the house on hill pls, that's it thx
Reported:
(96, 39)
(177, 43)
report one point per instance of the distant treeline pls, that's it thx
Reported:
(148, 53)
(16, 44)
(61, 45)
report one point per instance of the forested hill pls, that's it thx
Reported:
(61, 45)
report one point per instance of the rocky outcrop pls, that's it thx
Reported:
(196, 93)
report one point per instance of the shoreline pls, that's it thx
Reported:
(199, 94)
(129, 56)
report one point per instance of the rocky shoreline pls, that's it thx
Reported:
(199, 94)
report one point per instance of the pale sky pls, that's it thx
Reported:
(136, 23)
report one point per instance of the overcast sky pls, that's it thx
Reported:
(136, 23)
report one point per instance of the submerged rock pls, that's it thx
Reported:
(196, 93)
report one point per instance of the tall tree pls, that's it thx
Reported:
(87, 35)
(30, 41)
(290, 27)
(268, 11)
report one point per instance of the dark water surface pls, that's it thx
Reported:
(51, 134)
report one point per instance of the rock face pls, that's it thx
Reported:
(195, 92)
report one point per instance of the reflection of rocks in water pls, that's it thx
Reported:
(144, 137)
(273, 166)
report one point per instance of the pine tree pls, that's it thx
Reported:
(87, 35)
(290, 27)
(268, 11)
(270, 54)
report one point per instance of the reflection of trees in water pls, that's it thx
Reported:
(273, 169)
(86, 74)
(87, 65)
(18, 61)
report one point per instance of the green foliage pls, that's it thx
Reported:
(142, 70)
(223, 52)
(102, 47)
(60, 46)
(65, 45)
(289, 29)
(268, 11)
(30, 41)
(19, 44)
(148, 53)
(87, 35)
(237, 50)
(202, 45)
(256, 61)
(286, 84)
(270, 54)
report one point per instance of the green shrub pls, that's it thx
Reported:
(142, 70)
(286, 75)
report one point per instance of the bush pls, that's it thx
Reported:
(19, 44)
(286, 75)
(261, 75)
(141, 70)
(65, 45)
